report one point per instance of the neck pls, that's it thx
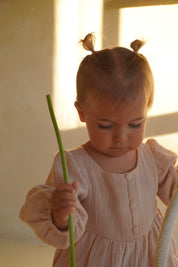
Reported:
(121, 164)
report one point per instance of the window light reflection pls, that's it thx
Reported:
(73, 21)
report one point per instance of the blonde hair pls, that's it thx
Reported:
(118, 73)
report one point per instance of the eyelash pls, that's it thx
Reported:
(106, 127)
(135, 125)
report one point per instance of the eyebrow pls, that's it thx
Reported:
(106, 120)
(138, 119)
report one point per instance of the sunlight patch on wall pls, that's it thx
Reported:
(73, 20)
(157, 25)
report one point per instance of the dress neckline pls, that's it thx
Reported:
(97, 165)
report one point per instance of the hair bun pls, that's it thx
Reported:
(88, 42)
(136, 45)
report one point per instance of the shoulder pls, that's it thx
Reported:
(76, 169)
(72, 156)
(165, 160)
(77, 161)
(163, 157)
(161, 153)
(78, 156)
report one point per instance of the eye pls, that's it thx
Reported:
(104, 127)
(136, 125)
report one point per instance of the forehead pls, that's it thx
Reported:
(105, 109)
(116, 90)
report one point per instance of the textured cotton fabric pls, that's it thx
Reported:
(116, 223)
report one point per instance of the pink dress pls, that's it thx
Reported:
(116, 223)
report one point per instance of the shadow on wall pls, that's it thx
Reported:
(162, 124)
(75, 136)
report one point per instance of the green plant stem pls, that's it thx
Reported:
(66, 178)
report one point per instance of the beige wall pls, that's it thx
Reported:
(26, 143)
(27, 139)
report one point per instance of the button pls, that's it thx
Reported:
(135, 229)
(133, 206)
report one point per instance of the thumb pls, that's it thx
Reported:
(75, 185)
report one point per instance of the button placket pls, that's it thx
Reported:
(133, 204)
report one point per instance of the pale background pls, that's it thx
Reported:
(27, 140)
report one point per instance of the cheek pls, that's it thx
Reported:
(98, 137)
(101, 137)
(93, 133)
(137, 138)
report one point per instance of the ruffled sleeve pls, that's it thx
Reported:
(167, 170)
(36, 211)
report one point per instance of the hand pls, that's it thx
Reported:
(64, 203)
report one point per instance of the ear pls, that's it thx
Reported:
(80, 111)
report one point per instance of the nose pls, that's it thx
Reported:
(119, 136)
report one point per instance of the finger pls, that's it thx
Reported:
(65, 187)
(66, 211)
(61, 222)
(63, 195)
(63, 215)
(65, 204)
(75, 185)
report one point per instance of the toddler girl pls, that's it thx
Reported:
(114, 177)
